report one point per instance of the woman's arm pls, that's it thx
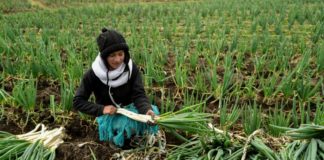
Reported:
(138, 93)
(80, 100)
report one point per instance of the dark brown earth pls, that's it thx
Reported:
(77, 132)
(81, 141)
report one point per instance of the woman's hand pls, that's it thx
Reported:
(110, 109)
(152, 114)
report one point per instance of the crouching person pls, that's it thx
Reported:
(115, 82)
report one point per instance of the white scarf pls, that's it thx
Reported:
(100, 70)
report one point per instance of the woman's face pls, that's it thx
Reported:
(115, 59)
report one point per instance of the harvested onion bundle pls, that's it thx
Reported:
(184, 119)
(32, 145)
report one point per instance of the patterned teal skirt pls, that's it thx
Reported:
(115, 128)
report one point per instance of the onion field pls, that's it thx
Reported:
(233, 79)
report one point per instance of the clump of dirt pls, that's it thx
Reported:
(9, 126)
(71, 151)
(45, 88)
(8, 84)
(171, 139)
(82, 142)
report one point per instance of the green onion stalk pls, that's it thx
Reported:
(34, 145)
(308, 142)
(184, 119)
(219, 144)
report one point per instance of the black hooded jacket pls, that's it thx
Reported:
(131, 92)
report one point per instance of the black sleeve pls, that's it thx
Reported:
(80, 99)
(138, 93)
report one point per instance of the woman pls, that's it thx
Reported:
(116, 82)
